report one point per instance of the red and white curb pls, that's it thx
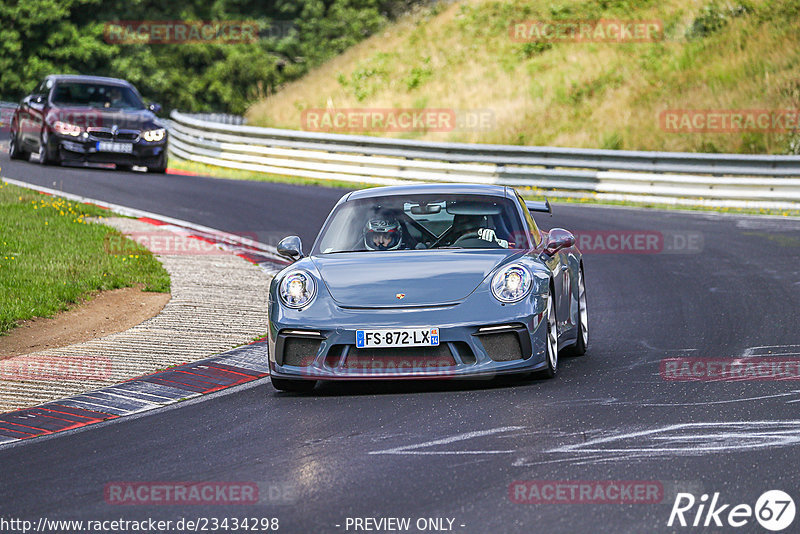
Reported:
(232, 368)
(238, 366)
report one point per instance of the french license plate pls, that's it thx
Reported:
(120, 148)
(399, 337)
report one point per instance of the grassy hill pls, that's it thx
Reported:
(717, 56)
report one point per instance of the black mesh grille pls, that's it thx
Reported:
(100, 134)
(127, 136)
(300, 351)
(502, 347)
(399, 358)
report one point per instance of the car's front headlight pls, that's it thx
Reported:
(65, 128)
(297, 289)
(154, 135)
(512, 283)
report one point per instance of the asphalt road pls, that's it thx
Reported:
(453, 450)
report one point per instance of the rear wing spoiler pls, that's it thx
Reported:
(539, 206)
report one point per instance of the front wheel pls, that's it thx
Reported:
(160, 167)
(14, 149)
(45, 156)
(293, 386)
(551, 355)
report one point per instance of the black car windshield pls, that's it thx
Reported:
(417, 222)
(96, 95)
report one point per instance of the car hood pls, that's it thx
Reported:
(86, 117)
(423, 277)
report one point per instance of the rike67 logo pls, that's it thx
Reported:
(774, 510)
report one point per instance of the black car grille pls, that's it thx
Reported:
(101, 134)
(400, 358)
(300, 351)
(107, 134)
(502, 347)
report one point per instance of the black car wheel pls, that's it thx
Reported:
(579, 348)
(14, 149)
(46, 157)
(161, 166)
(293, 386)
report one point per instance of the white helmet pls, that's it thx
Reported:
(383, 233)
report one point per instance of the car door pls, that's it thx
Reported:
(557, 265)
(24, 124)
(36, 109)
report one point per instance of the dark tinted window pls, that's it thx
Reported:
(425, 222)
(95, 95)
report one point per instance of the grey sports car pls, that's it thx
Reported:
(427, 281)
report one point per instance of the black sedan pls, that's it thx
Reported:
(89, 119)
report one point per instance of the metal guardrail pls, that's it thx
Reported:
(223, 118)
(6, 112)
(670, 177)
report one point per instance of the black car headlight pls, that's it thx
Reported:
(297, 289)
(512, 283)
(153, 136)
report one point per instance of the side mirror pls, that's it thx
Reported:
(38, 99)
(291, 247)
(155, 108)
(557, 239)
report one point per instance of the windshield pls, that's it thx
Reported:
(417, 222)
(96, 95)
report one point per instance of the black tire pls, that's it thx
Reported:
(45, 156)
(160, 167)
(15, 151)
(579, 347)
(293, 386)
(551, 352)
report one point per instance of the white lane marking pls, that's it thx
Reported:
(795, 392)
(714, 437)
(752, 351)
(411, 449)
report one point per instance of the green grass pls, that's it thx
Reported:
(51, 257)
(714, 55)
